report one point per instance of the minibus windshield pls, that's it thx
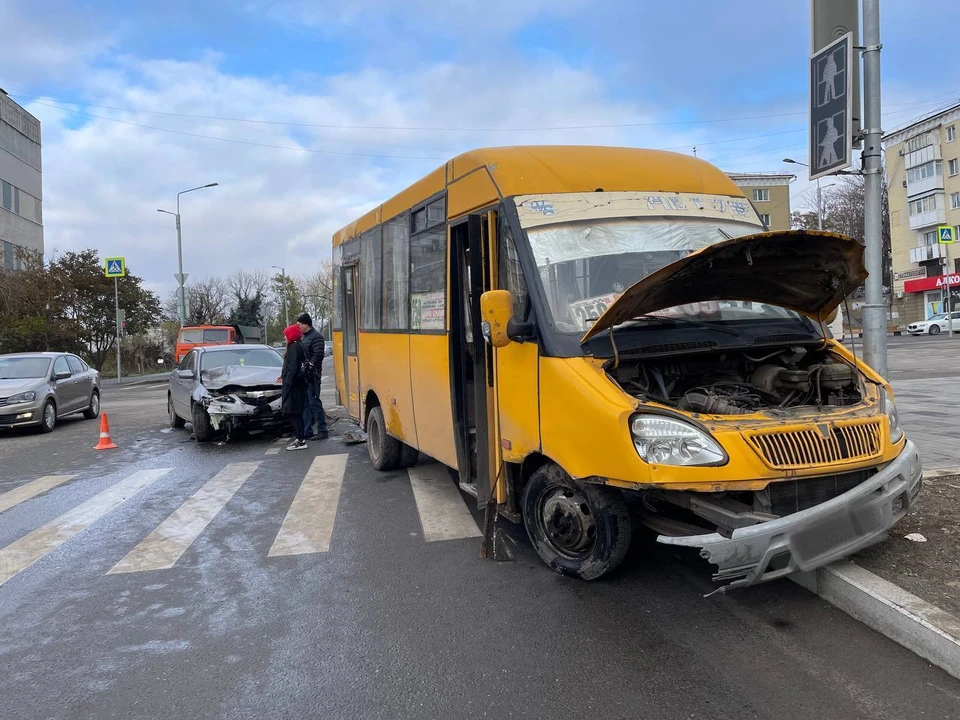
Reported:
(584, 266)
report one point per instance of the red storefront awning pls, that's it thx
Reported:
(931, 283)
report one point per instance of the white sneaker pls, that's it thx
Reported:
(297, 445)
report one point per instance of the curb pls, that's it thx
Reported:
(925, 629)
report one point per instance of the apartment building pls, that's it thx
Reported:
(770, 194)
(21, 185)
(923, 172)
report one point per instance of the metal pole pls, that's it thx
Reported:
(949, 303)
(183, 295)
(874, 315)
(116, 298)
(819, 207)
(286, 313)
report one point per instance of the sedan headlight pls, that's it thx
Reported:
(664, 441)
(22, 398)
(890, 408)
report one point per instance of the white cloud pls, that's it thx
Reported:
(104, 180)
(56, 44)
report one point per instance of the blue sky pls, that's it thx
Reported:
(728, 78)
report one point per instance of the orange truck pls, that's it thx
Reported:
(193, 336)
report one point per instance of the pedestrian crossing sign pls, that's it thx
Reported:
(114, 267)
(945, 235)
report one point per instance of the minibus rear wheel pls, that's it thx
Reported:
(578, 529)
(384, 450)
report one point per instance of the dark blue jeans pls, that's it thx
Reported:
(313, 410)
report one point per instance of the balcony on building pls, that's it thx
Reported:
(923, 253)
(925, 178)
(927, 211)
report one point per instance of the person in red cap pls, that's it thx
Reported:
(294, 386)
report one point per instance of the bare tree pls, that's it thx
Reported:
(246, 285)
(317, 291)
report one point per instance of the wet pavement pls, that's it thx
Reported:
(168, 579)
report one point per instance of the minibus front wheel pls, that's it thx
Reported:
(578, 529)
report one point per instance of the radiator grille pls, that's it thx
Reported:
(818, 446)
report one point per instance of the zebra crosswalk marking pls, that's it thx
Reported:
(443, 514)
(308, 525)
(22, 553)
(161, 549)
(31, 489)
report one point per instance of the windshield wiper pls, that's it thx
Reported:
(688, 321)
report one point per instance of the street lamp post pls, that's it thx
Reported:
(283, 276)
(181, 280)
(819, 199)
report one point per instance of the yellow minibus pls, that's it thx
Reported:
(598, 338)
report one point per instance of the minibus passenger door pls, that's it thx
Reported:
(470, 386)
(351, 362)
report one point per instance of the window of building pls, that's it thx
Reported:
(929, 238)
(7, 196)
(765, 219)
(927, 170)
(371, 278)
(951, 133)
(428, 268)
(924, 205)
(955, 201)
(954, 167)
(396, 272)
(761, 195)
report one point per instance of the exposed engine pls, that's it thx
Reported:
(738, 382)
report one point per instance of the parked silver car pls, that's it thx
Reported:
(223, 388)
(36, 389)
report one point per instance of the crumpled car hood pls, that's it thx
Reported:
(241, 376)
(808, 271)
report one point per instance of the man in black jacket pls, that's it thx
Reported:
(313, 343)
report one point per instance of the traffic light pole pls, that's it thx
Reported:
(874, 310)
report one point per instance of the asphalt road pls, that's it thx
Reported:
(174, 580)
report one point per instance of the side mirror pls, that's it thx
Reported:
(61, 375)
(185, 374)
(496, 311)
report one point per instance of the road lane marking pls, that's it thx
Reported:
(161, 549)
(22, 553)
(280, 441)
(31, 489)
(443, 514)
(273, 451)
(308, 526)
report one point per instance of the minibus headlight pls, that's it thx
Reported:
(665, 441)
(890, 408)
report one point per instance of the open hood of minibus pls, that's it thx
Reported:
(803, 270)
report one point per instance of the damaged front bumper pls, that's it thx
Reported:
(817, 536)
(234, 411)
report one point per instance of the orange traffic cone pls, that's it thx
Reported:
(105, 442)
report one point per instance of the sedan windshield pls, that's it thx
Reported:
(23, 368)
(241, 357)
